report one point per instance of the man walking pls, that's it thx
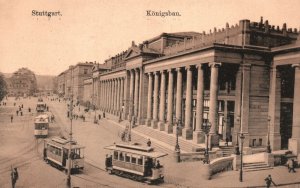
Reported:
(268, 181)
(11, 118)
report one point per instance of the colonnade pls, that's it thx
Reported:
(111, 92)
(163, 119)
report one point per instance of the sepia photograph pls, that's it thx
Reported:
(149, 93)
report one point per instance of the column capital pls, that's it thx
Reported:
(188, 68)
(199, 66)
(162, 71)
(156, 72)
(178, 69)
(297, 65)
(170, 70)
(215, 64)
(149, 73)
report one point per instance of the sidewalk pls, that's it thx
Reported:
(190, 174)
(186, 174)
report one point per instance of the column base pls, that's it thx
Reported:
(168, 128)
(140, 121)
(187, 134)
(148, 122)
(294, 145)
(213, 140)
(154, 124)
(179, 131)
(199, 137)
(161, 126)
(275, 141)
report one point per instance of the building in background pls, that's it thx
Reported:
(22, 83)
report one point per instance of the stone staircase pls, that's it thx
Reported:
(227, 150)
(256, 166)
(169, 139)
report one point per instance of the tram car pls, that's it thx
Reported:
(41, 106)
(56, 153)
(41, 125)
(135, 162)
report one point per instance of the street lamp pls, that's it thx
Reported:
(268, 145)
(70, 140)
(237, 152)
(242, 137)
(177, 147)
(206, 128)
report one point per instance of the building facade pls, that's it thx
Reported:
(71, 81)
(240, 79)
(22, 83)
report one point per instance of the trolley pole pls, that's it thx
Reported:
(70, 140)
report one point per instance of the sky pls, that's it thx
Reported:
(94, 30)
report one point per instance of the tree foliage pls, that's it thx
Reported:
(3, 87)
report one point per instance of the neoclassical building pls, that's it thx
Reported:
(22, 82)
(240, 79)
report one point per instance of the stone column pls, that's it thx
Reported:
(109, 96)
(126, 95)
(136, 94)
(213, 104)
(198, 135)
(113, 81)
(162, 103)
(150, 93)
(118, 96)
(106, 95)
(169, 125)
(245, 103)
(121, 95)
(187, 132)
(155, 102)
(274, 109)
(226, 126)
(294, 142)
(178, 99)
(130, 102)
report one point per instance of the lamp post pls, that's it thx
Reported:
(242, 137)
(70, 145)
(237, 152)
(268, 136)
(177, 147)
(206, 128)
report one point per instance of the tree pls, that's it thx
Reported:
(3, 87)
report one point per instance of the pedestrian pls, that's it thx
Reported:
(149, 142)
(99, 116)
(14, 177)
(21, 113)
(269, 180)
(11, 118)
(291, 165)
(17, 112)
(83, 117)
(103, 114)
(22, 106)
(29, 109)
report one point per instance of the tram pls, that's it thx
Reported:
(56, 153)
(41, 125)
(135, 162)
(41, 106)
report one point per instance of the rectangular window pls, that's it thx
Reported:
(260, 142)
(140, 161)
(85, 71)
(127, 158)
(121, 157)
(115, 155)
(254, 142)
(133, 160)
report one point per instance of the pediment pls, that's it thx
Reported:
(132, 52)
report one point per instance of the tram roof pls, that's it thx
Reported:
(60, 142)
(42, 118)
(134, 150)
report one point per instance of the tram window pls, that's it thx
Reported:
(140, 161)
(115, 155)
(133, 160)
(121, 157)
(127, 158)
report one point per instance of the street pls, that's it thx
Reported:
(19, 148)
